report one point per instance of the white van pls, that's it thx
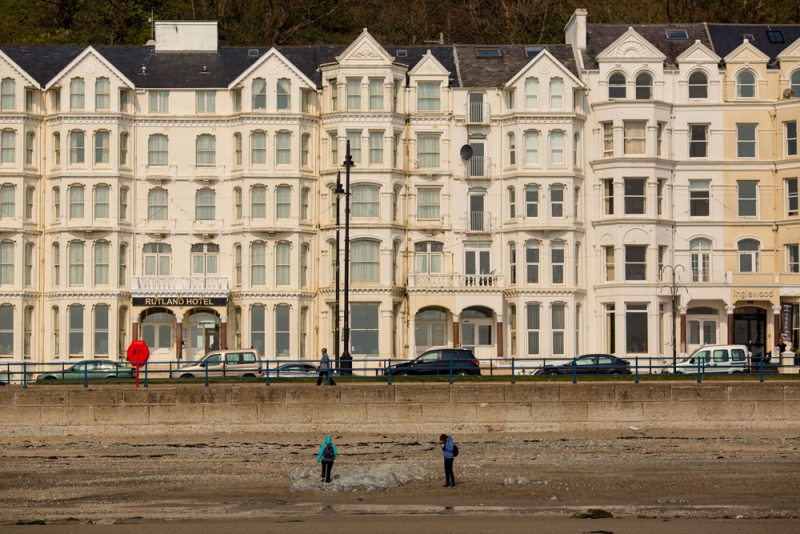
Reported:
(716, 359)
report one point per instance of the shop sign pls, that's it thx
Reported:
(180, 301)
(751, 294)
(786, 321)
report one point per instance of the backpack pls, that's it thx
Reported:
(327, 453)
(455, 450)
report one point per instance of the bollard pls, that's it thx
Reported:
(761, 369)
(574, 372)
(266, 373)
(699, 378)
(85, 375)
(636, 379)
(24, 375)
(513, 379)
(451, 372)
(145, 374)
(206, 371)
(389, 372)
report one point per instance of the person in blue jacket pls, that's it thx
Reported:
(447, 449)
(327, 456)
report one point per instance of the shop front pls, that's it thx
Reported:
(180, 328)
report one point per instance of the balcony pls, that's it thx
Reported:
(477, 113)
(478, 222)
(466, 281)
(186, 286)
(478, 167)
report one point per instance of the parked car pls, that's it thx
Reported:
(293, 370)
(245, 363)
(90, 369)
(718, 359)
(11, 373)
(589, 364)
(439, 361)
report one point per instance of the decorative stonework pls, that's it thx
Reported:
(631, 49)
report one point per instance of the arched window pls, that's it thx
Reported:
(304, 265)
(101, 249)
(283, 202)
(512, 202)
(76, 330)
(557, 262)
(259, 93)
(616, 86)
(644, 86)
(102, 146)
(748, 256)
(77, 140)
(284, 94)
(258, 264)
(6, 263)
(258, 202)
(237, 149)
(158, 150)
(8, 144)
(283, 331)
(102, 94)
(205, 205)
(795, 82)
(56, 252)
(157, 259)
(556, 94)
(237, 264)
(283, 264)
(512, 149)
(512, 262)
(76, 201)
(76, 94)
(305, 143)
(532, 262)
(531, 93)
(556, 148)
(76, 263)
(746, 84)
(365, 261)
(258, 148)
(531, 148)
(698, 85)
(283, 148)
(157, 204)
(428, 257)
(366, 201)
(206, 150)
(701, 259)
(8, 91)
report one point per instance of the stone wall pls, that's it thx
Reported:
(411, 407)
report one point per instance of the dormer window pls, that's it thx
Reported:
(402, 53)
(532, 51)
(488, 52)
(749, 36)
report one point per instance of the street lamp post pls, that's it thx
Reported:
(336, 332)
(674, 291)
(346, 359)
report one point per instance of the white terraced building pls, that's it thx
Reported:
(182, 193)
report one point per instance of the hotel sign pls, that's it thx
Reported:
(180, 301)
(752, 294)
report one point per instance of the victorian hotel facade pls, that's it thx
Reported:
(518, 200)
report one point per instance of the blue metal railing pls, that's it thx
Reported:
(390, 371)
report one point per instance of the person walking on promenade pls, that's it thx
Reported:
(448, 448)
(327, 454)
(325, 369)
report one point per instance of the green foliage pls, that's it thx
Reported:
(268, 22)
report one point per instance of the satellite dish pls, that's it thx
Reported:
(466, 152)
(788, 93)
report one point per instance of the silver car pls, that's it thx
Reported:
(245, 363)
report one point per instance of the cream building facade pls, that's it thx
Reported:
(522, 201)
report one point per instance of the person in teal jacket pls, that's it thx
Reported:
(327, 456)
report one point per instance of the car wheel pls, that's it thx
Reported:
(187, 375)
(551, 373)
(461, 373)
(249, 375)
(402, 373)
(613, 372)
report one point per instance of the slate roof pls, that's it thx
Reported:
(728, 37)
(43, 62)
(496, 71)
(600, 36)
